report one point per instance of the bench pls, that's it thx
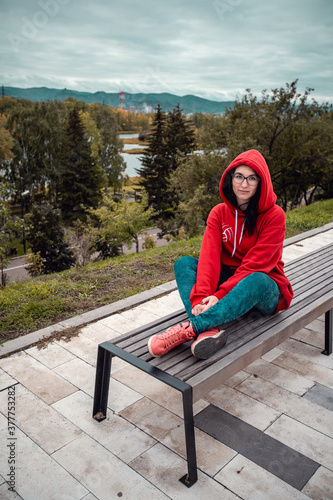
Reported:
(248, 339)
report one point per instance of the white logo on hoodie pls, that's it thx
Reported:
(227, 233)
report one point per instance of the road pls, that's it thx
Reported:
(17, 272)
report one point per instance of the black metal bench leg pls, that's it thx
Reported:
(191, 477)
(328, 332)
(102, 383)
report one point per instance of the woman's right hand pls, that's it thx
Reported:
(198, 309)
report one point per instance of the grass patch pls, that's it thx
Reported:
(307, 218)
(32, 304)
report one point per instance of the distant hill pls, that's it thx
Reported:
(188, 103)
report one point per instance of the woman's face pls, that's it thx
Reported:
(244, 191)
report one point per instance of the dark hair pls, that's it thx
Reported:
(251, 211)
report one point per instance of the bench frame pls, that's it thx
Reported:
(209, 374)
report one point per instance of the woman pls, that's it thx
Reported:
(240, 264)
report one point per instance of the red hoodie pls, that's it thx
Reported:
(225, 240)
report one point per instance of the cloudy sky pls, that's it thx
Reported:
(211, 48)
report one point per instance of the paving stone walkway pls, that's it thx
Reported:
(57, 451)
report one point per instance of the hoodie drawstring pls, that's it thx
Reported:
(235, 236)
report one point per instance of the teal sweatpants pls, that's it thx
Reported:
(257, 290)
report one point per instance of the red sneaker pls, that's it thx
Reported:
(208, 343)
(162, 343)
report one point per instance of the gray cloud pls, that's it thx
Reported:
(214, 49)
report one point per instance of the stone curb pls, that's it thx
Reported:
(102, 312)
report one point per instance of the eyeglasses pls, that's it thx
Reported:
(252, 180)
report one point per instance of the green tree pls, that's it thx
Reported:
(110, 146)
(155, 164)
(114, 224)
(46, 235)
(179, 137)
(82, 179)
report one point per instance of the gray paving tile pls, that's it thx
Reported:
(302, 438)
(320, 485)
(82, 375)
(249, 481)
(104, 475)
(81, 347)
(119, 324)
(308, 352)
(120, 437)
(152, 418)
(51, 355)
(7, 494)
(211, 454)
(50, 430)
(273, 456)
(242, 406)
(98, 332)
(164, 468)
(309, 369)
(36, 377)
(289, 404)
(321, 395)
(154, 389)
(279, 376)
(38, 475)
(140, 315)
(6, 380)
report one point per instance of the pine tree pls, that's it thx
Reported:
(82, 178)
(170, 139)
(179, 137)
(154, 171)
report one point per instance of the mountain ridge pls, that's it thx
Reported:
(141, 101)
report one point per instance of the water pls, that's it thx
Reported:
(128, 136)
(133, 146)
(132, 162)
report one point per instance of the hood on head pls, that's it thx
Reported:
(257, 162)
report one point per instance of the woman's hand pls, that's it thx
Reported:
(198, 309)
(205, 304)
(209, 301)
